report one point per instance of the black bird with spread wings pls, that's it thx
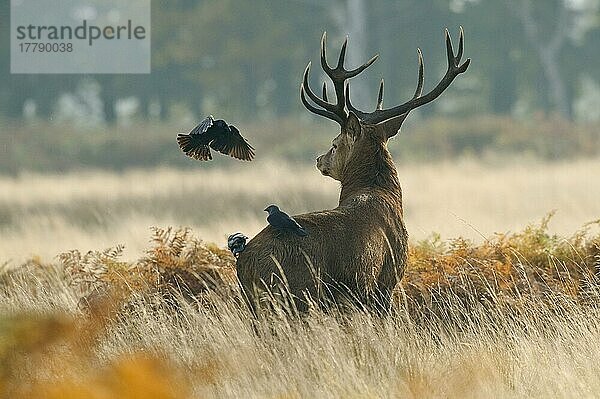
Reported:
(219, 136)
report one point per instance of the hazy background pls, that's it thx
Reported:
(90, 161)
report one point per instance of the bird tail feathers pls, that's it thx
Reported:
(185, 142)
(200, 152)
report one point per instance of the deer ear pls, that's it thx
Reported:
(391, 127)
(353, 127)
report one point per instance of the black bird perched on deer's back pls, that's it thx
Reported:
(284, 222)
(219, 136)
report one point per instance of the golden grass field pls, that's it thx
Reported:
(42, 215)
(501, 316)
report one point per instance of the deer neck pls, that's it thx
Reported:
(370, 169)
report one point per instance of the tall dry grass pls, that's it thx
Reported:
(506, 315)
(42, 215)
(516, 316)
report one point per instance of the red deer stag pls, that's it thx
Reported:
(357, 251)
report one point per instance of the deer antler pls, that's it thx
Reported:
(454, 69)
(338, 76)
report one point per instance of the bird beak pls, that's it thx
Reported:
(266, 209)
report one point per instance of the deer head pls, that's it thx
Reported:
(364, 132)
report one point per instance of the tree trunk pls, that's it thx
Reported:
(556, 85)
(356, 27)
(351, 20)
(110, 114)
(548, 51)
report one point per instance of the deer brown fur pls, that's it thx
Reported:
(355, 253)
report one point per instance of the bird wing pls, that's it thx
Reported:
(203, 126)
(230, 142)
(296, 227)
(283, 221)
(296, 224)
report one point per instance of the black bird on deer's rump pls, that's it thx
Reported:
(219, 136)
(237, 243)
(284, 222)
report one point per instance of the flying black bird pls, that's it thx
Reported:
(236, 243)
(283, 222)
(219, 136)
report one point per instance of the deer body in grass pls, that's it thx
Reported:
(355, 253)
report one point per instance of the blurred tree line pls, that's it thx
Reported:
(246, 58)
